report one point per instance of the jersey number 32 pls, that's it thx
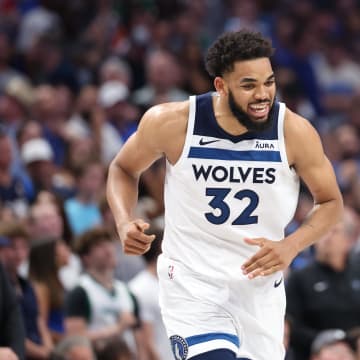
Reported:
(218, 202)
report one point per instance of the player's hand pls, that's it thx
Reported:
(133, 237)
(272, 256)
(7, 354)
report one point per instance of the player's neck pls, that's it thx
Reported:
(225, 118)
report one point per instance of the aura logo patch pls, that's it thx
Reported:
(179, 347)
(266, 145)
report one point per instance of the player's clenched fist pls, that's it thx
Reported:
(133, 237)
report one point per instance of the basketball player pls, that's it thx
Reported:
(234, 159)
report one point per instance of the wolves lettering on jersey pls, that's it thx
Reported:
(233, 181)
(232, 174)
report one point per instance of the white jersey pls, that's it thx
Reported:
(225, 188)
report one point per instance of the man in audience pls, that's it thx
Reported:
(99, 307)
(332, 345)
(12, 333)
(326, 293)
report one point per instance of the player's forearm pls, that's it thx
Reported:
(319, 221)
(122, 193)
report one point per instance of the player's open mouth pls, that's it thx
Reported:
(259, 110)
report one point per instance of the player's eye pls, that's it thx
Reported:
(248, 86)
(270, 82)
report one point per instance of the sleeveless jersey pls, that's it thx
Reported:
(105, 306)
(225, 188)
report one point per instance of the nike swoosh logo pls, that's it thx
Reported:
(202, 142)
(277, 283)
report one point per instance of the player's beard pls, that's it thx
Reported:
(245, 120)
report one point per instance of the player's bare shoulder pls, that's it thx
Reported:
(301, 138)
(169, 117)
(165, 126)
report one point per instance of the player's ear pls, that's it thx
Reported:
(220, 85)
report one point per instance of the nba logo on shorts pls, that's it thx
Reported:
(171, 271)
(179, 347)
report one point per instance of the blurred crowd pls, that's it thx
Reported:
(75, 78)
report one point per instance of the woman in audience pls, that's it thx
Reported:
(47, 256)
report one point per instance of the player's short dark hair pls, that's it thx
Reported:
(236, 46)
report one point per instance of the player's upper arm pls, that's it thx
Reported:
(306, 154)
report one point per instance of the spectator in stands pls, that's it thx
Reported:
(13, 248)
(15, 110)
(30, 130)
(46, 219)
(115, 117)
(52, 116)
(316, 293)
(73, 347)
(162, 76)
(115, 69)
(289, 353)
(354, 338)
(6, 51)
(331, 345)
(16, 191)
(119, 112)
(100, 307)
(12, 333)
(38, 158)
(338, 75)
(47, 256)
(116, 349)
(82, 210)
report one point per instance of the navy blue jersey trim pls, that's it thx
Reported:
(223, 154)
(197, 339)
(206, 124)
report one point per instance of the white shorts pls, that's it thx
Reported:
(200, 315)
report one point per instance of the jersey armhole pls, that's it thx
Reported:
(189, 132)
(281, 137)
